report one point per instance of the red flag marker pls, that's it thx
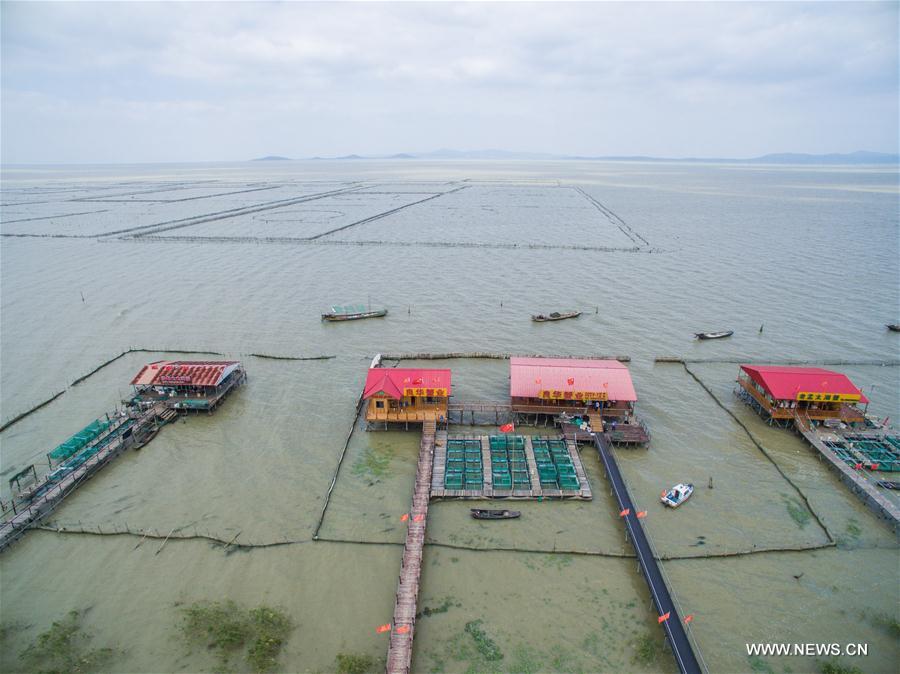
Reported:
(404, 517)
(571, 380)
(688, 618)
(403, 629)
(418, 518)
(664, 617)
(858, 466)
(507, 428)
(624, 512)
(383, 628)
(642, 513)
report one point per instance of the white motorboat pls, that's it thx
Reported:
(677, 495)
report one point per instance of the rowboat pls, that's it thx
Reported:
(893, 327)
(677, 495)
(555, 316)
(714, 335)
(353, 313)
(480, 514)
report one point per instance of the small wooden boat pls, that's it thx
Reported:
(555, 316)
(480, 514)
(714, 335)
(889, 484)
(893, 327)
(354, 313)
(677, 495)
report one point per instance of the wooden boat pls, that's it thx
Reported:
(352, 313)
(677, 495)
(480, 514)
(555, 316)
(714, 335)
(893, 327)
(888, 484)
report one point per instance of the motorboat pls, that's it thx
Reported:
(677, 495)
(352, 313)
(555, 316)
(480, 514)
(714, 335)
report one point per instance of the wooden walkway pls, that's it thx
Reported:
(41, 506)
(403, 627)
(862, 487)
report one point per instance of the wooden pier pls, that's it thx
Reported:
(403, 627)
(863, 488)
(53, 493)
(150, 408)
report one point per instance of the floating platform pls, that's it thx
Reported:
(508, 466)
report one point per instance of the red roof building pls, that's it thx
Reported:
(403, 395)
(782, 392)
(180, 373)
(598, 390)
(570, 379)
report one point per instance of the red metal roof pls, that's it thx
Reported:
(784, 383)
(528, 377)
(185, 373)
(397, 382)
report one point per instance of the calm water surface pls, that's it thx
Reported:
(810, 253)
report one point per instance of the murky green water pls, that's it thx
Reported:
(810, 254)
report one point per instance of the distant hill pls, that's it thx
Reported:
(272, 157)
(859, 157)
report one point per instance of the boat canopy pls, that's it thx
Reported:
(349, 309)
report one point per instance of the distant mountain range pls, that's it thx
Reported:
(859, 157)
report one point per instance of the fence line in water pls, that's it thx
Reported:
(748, 361)
(763, 451)
(230, 541)
(150, 238)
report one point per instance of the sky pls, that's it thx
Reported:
(207, 81)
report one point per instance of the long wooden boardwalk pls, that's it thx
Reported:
(403, 628)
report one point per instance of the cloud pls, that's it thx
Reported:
(339, 63)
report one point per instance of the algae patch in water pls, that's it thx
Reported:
(373, 462)
(64, 648)
(757, 664)
(229, 629)
(485, 645)
(353, 663)
(835, 667)
(646, 650)
(797, 511)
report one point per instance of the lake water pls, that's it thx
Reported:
(241, 259)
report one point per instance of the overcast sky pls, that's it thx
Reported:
(129, 82)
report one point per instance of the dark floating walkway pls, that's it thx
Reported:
(677, 636)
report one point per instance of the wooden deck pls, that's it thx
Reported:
(859, 484)
(41, 506)
(572, 446)
(403, 627)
